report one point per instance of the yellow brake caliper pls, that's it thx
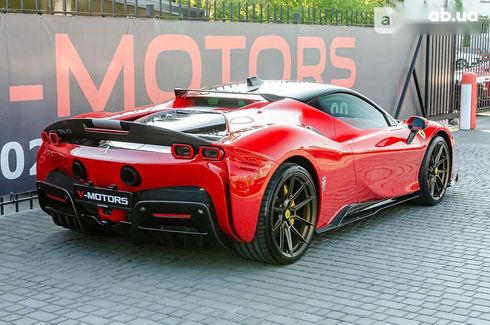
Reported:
(292, 206)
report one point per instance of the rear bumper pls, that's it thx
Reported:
(146, 215)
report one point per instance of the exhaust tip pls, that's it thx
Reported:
(79, 170)
(130, 176)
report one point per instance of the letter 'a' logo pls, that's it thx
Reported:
(80, 193)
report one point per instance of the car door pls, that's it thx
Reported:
(385, 165)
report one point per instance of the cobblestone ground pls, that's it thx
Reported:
(406, 265)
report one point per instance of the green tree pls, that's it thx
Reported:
(334, 4)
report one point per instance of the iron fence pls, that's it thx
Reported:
(448, 57)
(472, 54)
(207, 10)
(14, 202)
(440, 92)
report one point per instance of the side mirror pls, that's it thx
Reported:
(415, 124)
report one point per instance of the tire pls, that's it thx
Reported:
(435, 172)
(278, 216)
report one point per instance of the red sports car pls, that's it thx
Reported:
(261, 166)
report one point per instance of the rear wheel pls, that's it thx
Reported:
(287, 218)
(435, 172)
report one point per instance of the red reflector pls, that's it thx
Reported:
(45, 137)
(54, 138)
(172, 215)
(211, 153)
(182, 151)
(56, 198)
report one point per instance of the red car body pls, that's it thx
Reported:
(350, 166)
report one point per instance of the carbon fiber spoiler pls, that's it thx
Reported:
(268, 97)
(115, 130)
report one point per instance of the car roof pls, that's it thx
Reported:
(299, 90)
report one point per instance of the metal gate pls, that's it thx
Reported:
(447, 58)
(440, 90)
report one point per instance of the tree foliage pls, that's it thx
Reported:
(333, 4)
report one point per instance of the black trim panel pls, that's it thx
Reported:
(185, 200)
(97, 129)
(355, 212)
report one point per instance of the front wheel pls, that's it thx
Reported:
(287, 218)
(435, 172)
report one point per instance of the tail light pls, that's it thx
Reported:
(172, 215)
(54, 138)
(182, 151)
(211, 153)
(45, 137)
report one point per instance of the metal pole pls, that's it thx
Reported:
(223, 11)
(407, 79)
(239, 11)
(419, 95)
(261, 11)
(231, 10)
(427, 72)
(16, 202)
(268, 8)
(246, 11)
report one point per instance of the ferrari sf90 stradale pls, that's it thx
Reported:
(261, 166)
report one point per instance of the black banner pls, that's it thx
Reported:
(55, 67)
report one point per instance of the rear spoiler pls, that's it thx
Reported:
(268, 97)
(123, 131)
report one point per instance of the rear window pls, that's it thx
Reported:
(220, 102)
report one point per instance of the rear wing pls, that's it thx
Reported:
(123, 131)
(268, 97)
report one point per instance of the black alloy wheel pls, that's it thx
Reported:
(287, 218)
(435, 172)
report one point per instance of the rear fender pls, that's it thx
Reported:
(251, 170)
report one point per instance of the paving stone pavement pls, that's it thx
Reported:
(406, 265)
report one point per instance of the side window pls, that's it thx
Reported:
(352, 110)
